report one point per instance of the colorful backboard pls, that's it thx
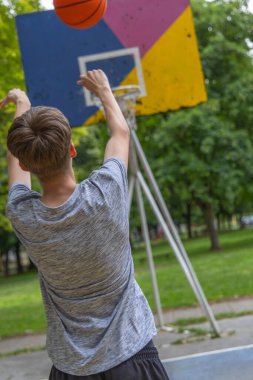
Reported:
(151, 43)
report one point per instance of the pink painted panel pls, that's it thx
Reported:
(142, 22)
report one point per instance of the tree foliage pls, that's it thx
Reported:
(203, 155)
(11, 77)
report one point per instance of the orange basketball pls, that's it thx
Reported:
(80, 14)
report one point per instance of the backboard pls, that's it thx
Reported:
(150, 43)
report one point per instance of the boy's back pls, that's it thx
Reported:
(97, 315)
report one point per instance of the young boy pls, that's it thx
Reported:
(99, 324)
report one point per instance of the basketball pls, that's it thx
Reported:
(80, 14)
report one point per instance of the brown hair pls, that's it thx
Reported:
(40, 139)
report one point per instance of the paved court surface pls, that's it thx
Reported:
(229, 364)
(34, 366)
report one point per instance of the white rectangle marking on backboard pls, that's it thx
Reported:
(83, 60)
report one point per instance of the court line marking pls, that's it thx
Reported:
(209, 353)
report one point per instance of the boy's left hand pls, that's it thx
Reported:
(15, 96)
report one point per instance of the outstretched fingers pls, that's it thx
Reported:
(4, 102)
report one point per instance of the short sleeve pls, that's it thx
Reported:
(18, 190)
(16, 208)
(116, 168)
(111, 182)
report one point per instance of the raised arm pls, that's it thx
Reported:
(15, 173)
(118, 144)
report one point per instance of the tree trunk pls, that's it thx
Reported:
(189, 219)
(241, 225)
(1, 263)
(6, 263)
(208, 213)
(19, 264)
(229, 223)
(219, 222)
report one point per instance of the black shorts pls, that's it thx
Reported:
(145, 365)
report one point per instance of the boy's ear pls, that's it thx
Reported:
(73, 153)
(23, 167)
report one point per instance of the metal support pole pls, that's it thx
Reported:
(131, 191)
(134, 180)
(202, 300)
(144, 226)
(171, 227)
(159, 196)
(160, 200)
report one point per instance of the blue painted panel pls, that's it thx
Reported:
(50, 52)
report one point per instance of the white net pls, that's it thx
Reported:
(126, 97)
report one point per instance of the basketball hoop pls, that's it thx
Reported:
(126, 97)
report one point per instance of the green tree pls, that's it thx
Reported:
(203, 155)
(11, 76)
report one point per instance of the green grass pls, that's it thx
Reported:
(198, 320)
(224, 274)
(21, 310)
(22, 351)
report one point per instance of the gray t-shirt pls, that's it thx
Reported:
(97, 316)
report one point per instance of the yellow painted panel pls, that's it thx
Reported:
(172, 70)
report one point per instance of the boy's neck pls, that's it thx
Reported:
(58, 189)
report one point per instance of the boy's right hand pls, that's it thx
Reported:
(95, 81)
